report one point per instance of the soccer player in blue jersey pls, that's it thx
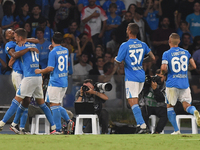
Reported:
(177, 61)
(132, 53)
(31, 84)
(58, 68)
(10, 51)
(17, 72)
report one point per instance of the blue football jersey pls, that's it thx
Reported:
(58, 59)
(132, 53)
(16, 66)
(29, 61)
(178, 61)
(44, 53)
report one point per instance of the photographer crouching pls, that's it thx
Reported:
(153, 95)
(91, 93)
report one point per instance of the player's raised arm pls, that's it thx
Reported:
(192, 64)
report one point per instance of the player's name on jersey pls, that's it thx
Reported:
(180, 76)
(29, 45)
(135, 45)
(137, 68)
(61, 52)
(62, 74)
(34, 65)
(178, 53)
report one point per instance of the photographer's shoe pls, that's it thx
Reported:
(196, 114)
(70, 127)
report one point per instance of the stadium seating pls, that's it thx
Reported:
(193, 122)
(79, 124)
(36, 124)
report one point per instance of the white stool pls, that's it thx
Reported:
(35, 124)
(79, 124)
(153, 124)
(193, 122)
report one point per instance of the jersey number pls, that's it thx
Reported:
(62, 63)
(181, 63)
(137, 60)
(34, 56)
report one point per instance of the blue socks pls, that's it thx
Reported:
(10, 112)
(23, 118)
(48, 114)
(191, 109)
(57, 117)
(172, 118)
(137, 114)
(18, 114)
(64, 114)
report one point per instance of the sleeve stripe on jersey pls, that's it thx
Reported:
(164, 62)
(117, 60)
(9, 49)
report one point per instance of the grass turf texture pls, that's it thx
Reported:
(100, 142)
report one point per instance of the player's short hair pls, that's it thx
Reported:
(134, 28)
(57, 38)
(175, 38)
(21, 32)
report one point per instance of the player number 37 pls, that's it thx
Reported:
(179, 64)
(132, 54)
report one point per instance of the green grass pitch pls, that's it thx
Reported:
(100, 142)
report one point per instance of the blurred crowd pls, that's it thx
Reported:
(94, 29)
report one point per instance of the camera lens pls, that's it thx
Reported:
(85, 88)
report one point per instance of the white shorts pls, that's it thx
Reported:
(16, 79)
(30, 86)
(174, 94)
(133, 89)
(55, 94)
